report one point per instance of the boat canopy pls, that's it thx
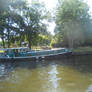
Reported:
(18, 48)
(15, 52)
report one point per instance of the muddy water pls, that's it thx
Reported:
(66, 75)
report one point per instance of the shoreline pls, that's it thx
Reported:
(82, 51)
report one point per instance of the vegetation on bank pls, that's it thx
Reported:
(22, 22)
(27, 24)
(79, 49)
(82, 49)
(73, 24)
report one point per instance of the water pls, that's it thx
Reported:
(66, 75)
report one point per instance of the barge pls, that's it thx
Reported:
(25, 54)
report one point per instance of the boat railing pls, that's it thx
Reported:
(48, 52)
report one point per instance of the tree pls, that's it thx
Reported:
(3, 12)
(33, 17)
(23, 22)
(71, 18)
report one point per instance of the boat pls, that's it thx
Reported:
(24, 53)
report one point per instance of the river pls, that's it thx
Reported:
(65, 75)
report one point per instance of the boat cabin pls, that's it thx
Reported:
(16, 52)
(2, 52)
(48, 52)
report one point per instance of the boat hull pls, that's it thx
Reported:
(37, 58)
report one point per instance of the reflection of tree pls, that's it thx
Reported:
(5, 68)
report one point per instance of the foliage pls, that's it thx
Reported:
(83, 49)
(53, 43)
(73, 23)
(44, 40)
(20, 22)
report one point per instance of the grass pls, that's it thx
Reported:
(82, 49)
(40, 47)
(79, 49)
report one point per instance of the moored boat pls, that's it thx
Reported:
(25, 53)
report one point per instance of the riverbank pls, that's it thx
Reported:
(79, 49)
(75, 52)
(41, 47)
(82, 51)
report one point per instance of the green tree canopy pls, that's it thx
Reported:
(71, 19)
(21, 22)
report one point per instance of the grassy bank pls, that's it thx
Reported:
(82, 49)
(79, 49)
(40, 47)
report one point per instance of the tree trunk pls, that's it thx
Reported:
(3, 42)
(29, 43)
(8, 39)
(8, 33)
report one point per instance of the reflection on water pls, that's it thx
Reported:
(53, 76)
(67, 75)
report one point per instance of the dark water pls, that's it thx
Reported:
(66, 75)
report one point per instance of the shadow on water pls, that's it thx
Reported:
(80, 63)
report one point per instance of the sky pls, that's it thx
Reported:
(89, 2)
(50, 4)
